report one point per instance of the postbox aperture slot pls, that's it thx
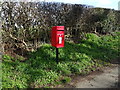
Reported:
(60, 30)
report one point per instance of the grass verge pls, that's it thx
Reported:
(41, 70)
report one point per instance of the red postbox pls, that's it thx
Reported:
(57, 36)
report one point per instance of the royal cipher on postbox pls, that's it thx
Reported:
(57, 36)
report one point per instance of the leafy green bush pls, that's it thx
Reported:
(66, 80)
(91, 37)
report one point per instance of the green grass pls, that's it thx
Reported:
(41, 70)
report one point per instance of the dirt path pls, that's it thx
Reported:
(107, 79)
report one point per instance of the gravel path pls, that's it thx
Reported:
(107, 79)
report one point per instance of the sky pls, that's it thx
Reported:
(112, 4)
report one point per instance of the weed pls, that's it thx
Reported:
(65, 80)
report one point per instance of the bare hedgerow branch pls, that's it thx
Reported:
(29, 23)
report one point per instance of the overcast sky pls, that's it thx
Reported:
(113, 4)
